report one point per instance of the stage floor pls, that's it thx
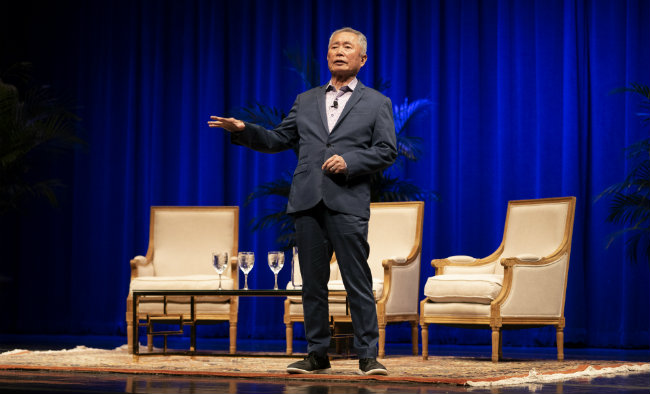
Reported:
(85, 382)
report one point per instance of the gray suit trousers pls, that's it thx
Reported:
(319, 232)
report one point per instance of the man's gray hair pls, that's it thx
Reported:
(363, 42)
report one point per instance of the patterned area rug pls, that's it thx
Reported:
(468, 371)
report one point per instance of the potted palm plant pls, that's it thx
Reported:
(33, 124)
(630, 199)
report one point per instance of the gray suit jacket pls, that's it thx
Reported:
(364, 136)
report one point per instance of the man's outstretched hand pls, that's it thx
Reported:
(231, 124)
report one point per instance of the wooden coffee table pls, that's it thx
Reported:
(192, 322)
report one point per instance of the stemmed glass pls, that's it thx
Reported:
(246, 260)
(276, 262)
(220, 262)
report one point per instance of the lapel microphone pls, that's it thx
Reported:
(335, 104)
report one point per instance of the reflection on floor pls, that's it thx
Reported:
(50, 382)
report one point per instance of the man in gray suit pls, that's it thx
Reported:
(344, 132)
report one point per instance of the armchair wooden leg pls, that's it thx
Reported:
(382, 341)
(192, 337)
(289, 332)
(414, 337)
(150, 342)
(496, 338)
(425, 341)
(233, 337)
(560, 343)
(129, 336)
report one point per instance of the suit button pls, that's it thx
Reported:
(329, 145)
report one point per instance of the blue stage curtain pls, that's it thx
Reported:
(521, 108)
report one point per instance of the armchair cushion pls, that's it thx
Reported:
(377, 287)
(188, 282)
(484, 269)
(475, 288)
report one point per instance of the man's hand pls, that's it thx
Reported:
(335, 165)
(231, 124)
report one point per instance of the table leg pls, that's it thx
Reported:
(193, 328)
(136, 323)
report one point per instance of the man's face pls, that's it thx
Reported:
(344, 55)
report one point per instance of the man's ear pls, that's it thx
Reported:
(363, 60)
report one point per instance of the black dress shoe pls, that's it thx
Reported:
(313, 363)
(370, 366)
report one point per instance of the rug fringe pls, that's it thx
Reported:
(587, 371)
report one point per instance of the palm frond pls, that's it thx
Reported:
(638, 149)
(263, 115)
(278, 187)
(389, 188)
(634, 87)
(305, 65)
(33, 122)
(644, 92)
(406, 111)
(281, 221)
(637, 240)
(637, 181)
(629, 208)
(381, 84)
(409, 147)
(267, 220)
(630, 199)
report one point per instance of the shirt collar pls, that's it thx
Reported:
(352, 85)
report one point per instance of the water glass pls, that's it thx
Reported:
(246, 260)
(220, 263)
(276, 262)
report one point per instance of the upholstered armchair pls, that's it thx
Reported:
(395, 238)
(521, 285)
(181, 243)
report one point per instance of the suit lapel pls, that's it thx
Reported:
(356, 96)
(321, 108)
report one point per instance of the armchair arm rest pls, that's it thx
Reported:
(463, 265)
(453, 260)
(394, 261)
(140, 266)
(523, 259)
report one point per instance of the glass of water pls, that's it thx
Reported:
(220, 262)
(276, 262)
(246, 260)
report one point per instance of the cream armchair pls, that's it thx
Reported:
(395, 238)
(181, 243)
(521, 285)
